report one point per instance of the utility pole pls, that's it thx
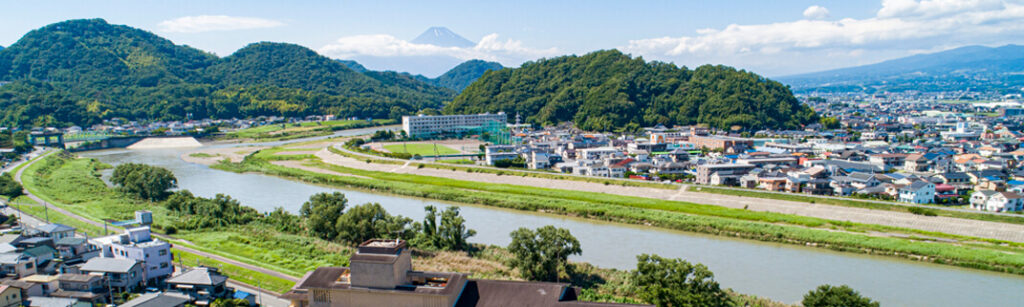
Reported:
(259, 291)
(46, 209)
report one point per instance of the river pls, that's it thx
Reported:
(778, 271)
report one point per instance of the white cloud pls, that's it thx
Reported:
(491, 48)
(208, 23)
(898, 25)
(816, 12)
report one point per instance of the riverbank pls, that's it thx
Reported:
(73, 184)
(885, 213)
(940, 248)
(291, 131)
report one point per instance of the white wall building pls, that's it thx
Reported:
(138, 244)
(428, 125)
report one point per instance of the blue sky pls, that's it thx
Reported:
(769, 37)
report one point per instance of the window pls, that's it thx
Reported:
(163, 265)
(163, 252)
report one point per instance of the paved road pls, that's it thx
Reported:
(965, 227)
(269, 298)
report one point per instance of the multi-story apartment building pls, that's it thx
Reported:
(138, 244)
(423, 126)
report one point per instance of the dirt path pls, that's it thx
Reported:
(965, 227)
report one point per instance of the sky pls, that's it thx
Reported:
(773, 38)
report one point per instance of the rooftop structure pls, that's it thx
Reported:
(381, 275)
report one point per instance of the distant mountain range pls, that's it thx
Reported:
(975, 68)
(441, 36)
(455, 79)
(82, 71)
(427, 65)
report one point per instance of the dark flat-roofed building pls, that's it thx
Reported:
(380, 274)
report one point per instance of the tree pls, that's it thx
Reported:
(9, 187)
(284, 221)
(676, 282)
(841, 296)
(829, 122)
(450, 235)
(371, 221)
(226, 302)
(144, 181)
(322, 212)
(541, 254)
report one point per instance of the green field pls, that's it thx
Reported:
(240, 274)
(421, 149)
(287, 131)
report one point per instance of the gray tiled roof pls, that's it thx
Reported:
(116, 265)
(198, 276)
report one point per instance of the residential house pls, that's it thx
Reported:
(75, 249)
(997, 201)
(138, 244)
(28, 289)
(55, 231)
(495, 153)
(917, 192)
(83, 287)
(202, 284)
(888, 161)
(17, 264)
(722, 173)
(10, 296)
(42, 301)
(121, 274)
(48, 283)
(158, 299)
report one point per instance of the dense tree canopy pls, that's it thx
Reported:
(144, 181)
(841, 296)
(542, 253)
(608, 90)
(371, 221)
(675, 282)
(220, 211)
(9, 187)
(83, 71)
(322, 212)
(451, 234)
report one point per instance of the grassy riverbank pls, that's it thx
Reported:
(765, 226)
(464, 167)
(74, 184)
(850, 202)
(290, 131)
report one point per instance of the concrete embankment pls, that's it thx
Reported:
(168, 142)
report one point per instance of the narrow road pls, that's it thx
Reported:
(35, 221)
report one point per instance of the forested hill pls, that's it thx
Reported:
(83, 71)
(607, 91)
(461, 76)
(454, 79)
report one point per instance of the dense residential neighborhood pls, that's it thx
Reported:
(889, 150)
(52, 264)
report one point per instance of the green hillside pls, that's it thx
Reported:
(83, 71)
(462, 75)
(608, 90)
